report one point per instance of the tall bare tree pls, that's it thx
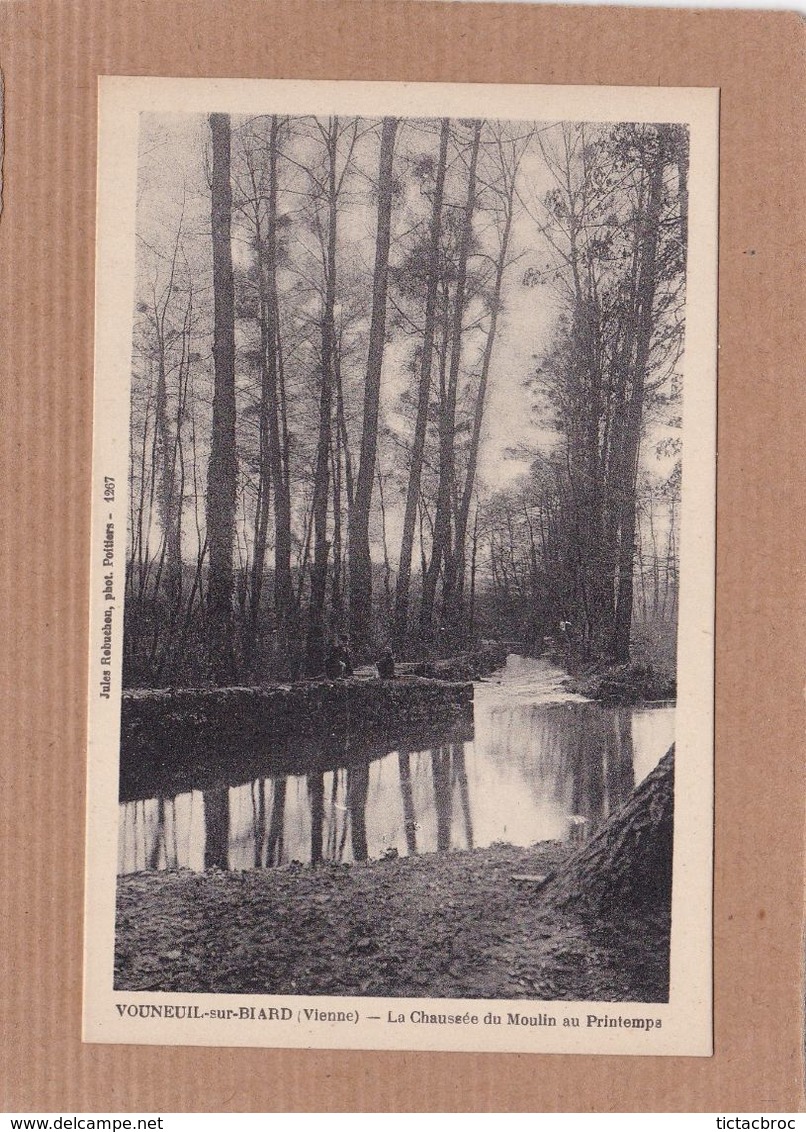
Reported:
(657, 152)
(618, 243)
(262, 168)
(442, 548)
(327, 190)
(403, 585)
(223, 468)
(360, 561)
(508, 156)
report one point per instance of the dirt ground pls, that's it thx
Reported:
(452, 925)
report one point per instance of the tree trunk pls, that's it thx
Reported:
(222, 469)
(471, 620)
(626, 867)
(284, 605)
(647, 281)
(439, 535)
(424, 395)
(680, 149)
(166, 445)
(360, 561)
(463, 510)
(166, 442)
(315, 648)
(264, 466)
(336, 602)
(273, 457)
(447, 415)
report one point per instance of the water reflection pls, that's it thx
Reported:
(216, 825)
(534, 770)
(409, 820)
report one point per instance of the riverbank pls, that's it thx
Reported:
(622, 683)
(474, 665)
(180, 739)
(452, 925)
(188, 738)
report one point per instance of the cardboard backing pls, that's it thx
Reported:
(51, 56)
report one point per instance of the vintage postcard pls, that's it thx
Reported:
(401, 668)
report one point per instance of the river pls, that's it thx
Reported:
(543, 764)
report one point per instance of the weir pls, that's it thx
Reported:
(183, 739)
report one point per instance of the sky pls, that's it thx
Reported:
(173, 183)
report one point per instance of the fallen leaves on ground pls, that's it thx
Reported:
(443, 925)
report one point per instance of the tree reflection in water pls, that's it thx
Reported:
(532, 771)
(357, 792)
(217, 828)
(316, 793)
(441, 769)
(409, 820)
(460, 775)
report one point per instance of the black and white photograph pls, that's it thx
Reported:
(401, 670)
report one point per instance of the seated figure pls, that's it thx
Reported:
(386, 665)
(335, 668)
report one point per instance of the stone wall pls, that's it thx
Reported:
(188, 738)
